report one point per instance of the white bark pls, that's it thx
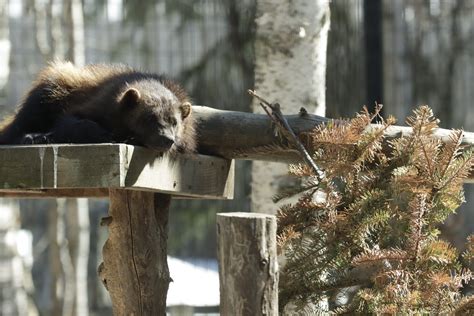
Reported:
(55, 237)
(16, 260)
(77, 221)
(290, 68)
(5, 45)
(75, 20)
(60, 34)
(18, 257)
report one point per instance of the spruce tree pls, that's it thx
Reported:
(367, 237)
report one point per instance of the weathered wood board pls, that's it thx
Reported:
(90, 170)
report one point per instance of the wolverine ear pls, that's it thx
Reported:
(185, 109)
(130, 97)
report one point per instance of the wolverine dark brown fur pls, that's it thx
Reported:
(103, 103)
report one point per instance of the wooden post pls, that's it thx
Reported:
(135, 269)
(248, 268)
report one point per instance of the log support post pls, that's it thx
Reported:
(135, 269)
(248, 268)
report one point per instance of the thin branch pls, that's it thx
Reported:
(274, 112)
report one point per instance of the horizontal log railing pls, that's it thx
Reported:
(249, 136)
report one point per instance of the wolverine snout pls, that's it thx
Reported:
(161, 142)
(168, 142)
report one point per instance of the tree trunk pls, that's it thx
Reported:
(77, 222)
(5, 46)
(10, 302)
(55, 229)
(290, 68)
(74, 17)
(13, 296)
(373, 52)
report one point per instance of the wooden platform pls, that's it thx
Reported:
(90, 170)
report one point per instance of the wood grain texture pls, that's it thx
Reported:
(248, 267)
(247, 136)
(135, 269)
(56, 193)
(90, 169)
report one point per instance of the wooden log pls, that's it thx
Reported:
(248, 268)
(247, 135)
(135, 269)
(240, 135)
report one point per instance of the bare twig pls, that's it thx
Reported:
(274, 112)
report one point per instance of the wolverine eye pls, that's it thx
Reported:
(174, 122)
(149, 119)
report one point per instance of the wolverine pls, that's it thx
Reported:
(102, 103)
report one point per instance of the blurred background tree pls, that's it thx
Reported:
(421, 51)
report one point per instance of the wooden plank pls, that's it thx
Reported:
(90, 169)
(185, 175)
(56, 193)
(248, 267)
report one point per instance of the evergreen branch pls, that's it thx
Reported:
(438, 251)
(418, 208)
(287, 193)
(374, 255)
(467, 161)
(349, 280)
(370, 149)
(421, 120)
(427, 159)
(451, 150)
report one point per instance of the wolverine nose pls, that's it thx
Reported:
(168, 142)
(161, 143)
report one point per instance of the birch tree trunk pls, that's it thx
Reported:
(290, 68)
(74, 15)
(77, 221)
(5, 47)
(60, 34)
(14, 294)
(13, 297)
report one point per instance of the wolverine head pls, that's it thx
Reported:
(154, 115)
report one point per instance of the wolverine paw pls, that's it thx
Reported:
(36, 138)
